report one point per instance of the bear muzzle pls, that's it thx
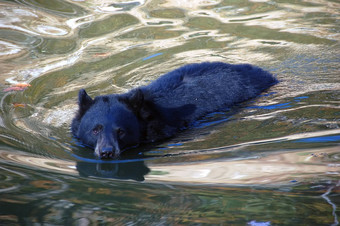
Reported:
(107, 147)
(107, 152)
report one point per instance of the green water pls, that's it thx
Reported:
(274, 160)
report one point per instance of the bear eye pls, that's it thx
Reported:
(120, 133)
(97, 129)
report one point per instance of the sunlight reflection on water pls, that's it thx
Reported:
(281, 150)
(117, 41)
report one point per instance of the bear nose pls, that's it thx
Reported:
(106, 153)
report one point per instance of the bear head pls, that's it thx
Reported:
(108, 123)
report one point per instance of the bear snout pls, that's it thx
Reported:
(106, 153)
(107, 146)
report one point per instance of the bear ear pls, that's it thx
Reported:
(84, 101)
(136, 100)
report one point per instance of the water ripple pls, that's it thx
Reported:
(9, 179)
(106, 47)
(8, 49)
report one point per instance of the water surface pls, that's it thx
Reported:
(271, 161)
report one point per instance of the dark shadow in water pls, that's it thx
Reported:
(123, 171)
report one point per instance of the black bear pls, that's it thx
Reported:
(112, 123)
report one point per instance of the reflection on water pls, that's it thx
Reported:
(275, 169)
(126, 170)
(59, 199)
(278, 168)
(27, 193)
(271, 161)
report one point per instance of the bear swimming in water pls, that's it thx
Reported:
(112, 123)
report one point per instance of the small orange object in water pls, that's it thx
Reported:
(13, 88)
(101, 54)
(22, 85)
(18, 105)
(17, 87)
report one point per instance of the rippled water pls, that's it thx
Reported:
(272, 161)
